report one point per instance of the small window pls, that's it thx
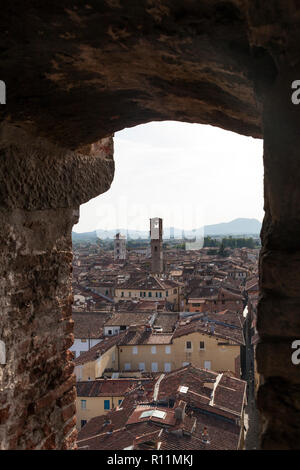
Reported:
(83, 340)
(109, 332)
(149, 294)
(188, 345)
(167, 293)
(134, 350)
(119, 402)
(168, 349)
(83, 404)
(127, 366)
(153, 349)
(107, 404)
(122, 294)
(202, 345)
(83, 422)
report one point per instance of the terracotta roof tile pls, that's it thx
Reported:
(100, 348)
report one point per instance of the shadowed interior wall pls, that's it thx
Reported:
(75, 73)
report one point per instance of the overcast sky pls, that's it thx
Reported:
(189, 174)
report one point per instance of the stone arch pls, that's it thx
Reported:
(74, 74)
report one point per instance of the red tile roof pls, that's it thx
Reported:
(210, 421)
(111, 387)
(226, 325)
(142, 335)
(100, 348)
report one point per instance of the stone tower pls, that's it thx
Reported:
(119, 247)
(156, 232)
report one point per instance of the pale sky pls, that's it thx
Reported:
(189, 174)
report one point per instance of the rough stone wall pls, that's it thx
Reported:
(37, 385)
(38, 189)
(279, 306)
(76, 72)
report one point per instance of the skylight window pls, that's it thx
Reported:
(153, 413)
(183, 389)
(159, 414)
(146, 414)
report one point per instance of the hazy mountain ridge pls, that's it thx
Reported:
(235, 227)
(240, 226)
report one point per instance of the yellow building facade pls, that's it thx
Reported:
(90, 407)
(172, 295)
(206, 352)
(146, 357)
(203, 351)
(94, 368)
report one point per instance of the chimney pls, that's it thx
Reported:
(180, 411)
(204, 436)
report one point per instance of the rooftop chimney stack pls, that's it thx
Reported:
(180, 411)
(205, 436)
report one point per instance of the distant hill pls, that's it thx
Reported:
(85, 236)
(235, 227)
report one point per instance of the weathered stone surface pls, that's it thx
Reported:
(35, 280)
(47, 176)
(278, 270)
(274, 359)
(279, 401)
(75, 73)
(279, 260)
(278, 317)
(91, 69)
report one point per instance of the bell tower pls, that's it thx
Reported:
(156, 232)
